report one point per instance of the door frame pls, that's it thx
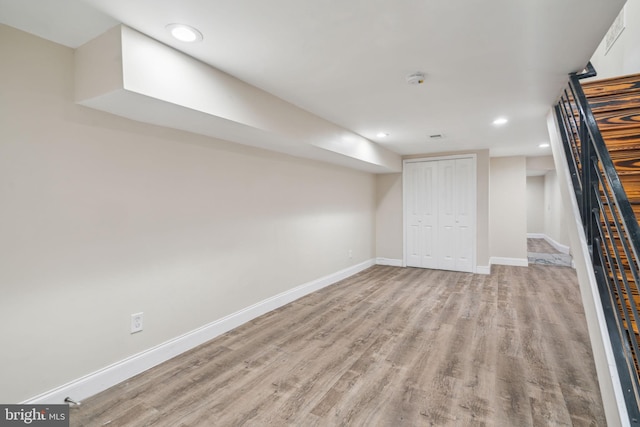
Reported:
(472, 156)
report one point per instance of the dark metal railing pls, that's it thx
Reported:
(611, 229)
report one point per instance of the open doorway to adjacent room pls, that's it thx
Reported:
(547, 237)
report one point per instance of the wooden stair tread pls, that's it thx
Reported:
(614, 102)
(621, 139)
(629, 118)
(626, 168)
(631, 184)
(633, 194)
(615, 85)
(628, 153)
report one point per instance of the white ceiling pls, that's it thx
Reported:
(346, 60)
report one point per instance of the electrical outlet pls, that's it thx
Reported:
(136, 322)
(350, 253)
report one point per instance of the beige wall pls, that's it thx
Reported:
(555, 225)
(103, 217)
(535, 204)
(624, 56)
(389, 216)
(483, 212)
(508, 208)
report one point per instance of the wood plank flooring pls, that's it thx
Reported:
(540, 246)
(387, 347)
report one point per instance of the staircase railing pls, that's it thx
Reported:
(611, 229)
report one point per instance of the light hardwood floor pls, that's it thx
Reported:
(540, 246)
(387, 347)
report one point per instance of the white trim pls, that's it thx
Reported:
(389, 261)
(535, 236)
(557, 245)
(483, 269)
(518, 262)
(111, 375)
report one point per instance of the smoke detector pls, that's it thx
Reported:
(416, 78)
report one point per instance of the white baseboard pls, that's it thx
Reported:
(518, 262)
(558, 246)
(389, 261)
(111, 375)
(483, 269)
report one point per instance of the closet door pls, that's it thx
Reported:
(446, 253)
(440, 214)
(464, 215)
(421, 210)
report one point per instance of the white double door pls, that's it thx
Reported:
(439, 207)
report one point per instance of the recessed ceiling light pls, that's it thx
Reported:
(544, 145)
(382, 135)
(184, 33)
(500, 121)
